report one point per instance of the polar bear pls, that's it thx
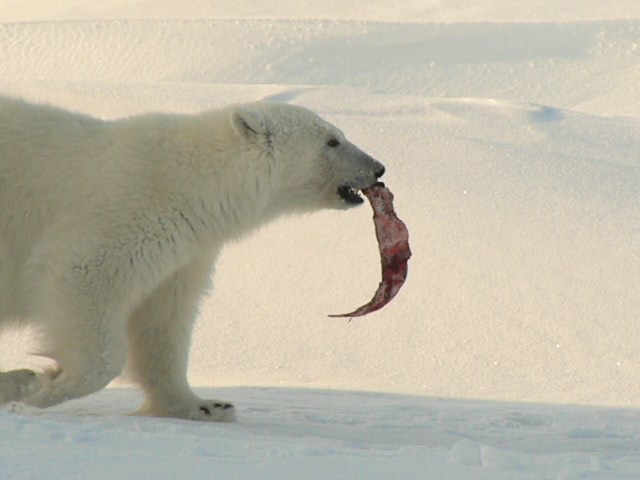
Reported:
(109, 231)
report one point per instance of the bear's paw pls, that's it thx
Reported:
(193, 409)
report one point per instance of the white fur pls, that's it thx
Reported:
(109, 232)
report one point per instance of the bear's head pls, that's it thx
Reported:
(308, 161)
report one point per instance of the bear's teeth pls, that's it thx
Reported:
(349, 194)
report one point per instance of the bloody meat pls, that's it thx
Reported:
(393, 243)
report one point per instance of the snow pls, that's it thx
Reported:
(511, 136)
(319, 434)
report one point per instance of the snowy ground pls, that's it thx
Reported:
(511, 136)
(322, 434)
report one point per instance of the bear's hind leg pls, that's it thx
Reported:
(86, 339)
(159, 340)
(77, 375)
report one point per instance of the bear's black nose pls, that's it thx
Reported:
(380, 172)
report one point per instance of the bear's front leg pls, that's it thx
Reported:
(17, 384)
(159, 334)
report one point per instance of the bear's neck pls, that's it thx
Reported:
(237, 204)
(226, 189)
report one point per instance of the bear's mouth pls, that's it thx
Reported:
(349, 194)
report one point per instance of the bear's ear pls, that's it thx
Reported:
(249, 123)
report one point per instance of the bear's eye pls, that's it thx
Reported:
(333, 142)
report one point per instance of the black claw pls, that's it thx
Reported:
(227, 406)
(205, 410)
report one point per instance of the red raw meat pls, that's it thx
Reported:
(393, 243)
